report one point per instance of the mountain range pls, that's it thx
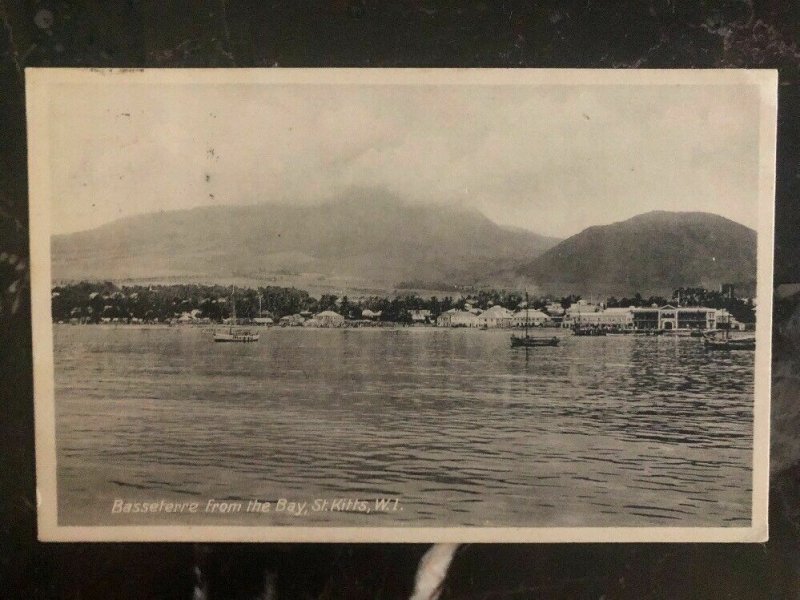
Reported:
(376, 240)
(653, 253)
(365, 237)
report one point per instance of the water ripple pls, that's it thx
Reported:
(597, 431)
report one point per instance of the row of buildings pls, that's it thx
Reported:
(581, 315)
(496, 316)
(585, 315)
(665, 318)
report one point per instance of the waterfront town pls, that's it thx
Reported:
(688, 310)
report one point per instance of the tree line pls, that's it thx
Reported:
(95, 301)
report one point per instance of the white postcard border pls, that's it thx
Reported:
(39, 87)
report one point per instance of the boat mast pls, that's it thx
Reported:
(527, 313)
(233, 307)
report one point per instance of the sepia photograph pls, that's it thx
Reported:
(454, 305)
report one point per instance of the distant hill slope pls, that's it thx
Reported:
(653, 253)
(366, 235)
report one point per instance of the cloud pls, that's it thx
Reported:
(554, 159)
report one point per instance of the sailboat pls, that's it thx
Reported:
(234, 335)
(531, 342)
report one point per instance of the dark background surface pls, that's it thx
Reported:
(408, 33)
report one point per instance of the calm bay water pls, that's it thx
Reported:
(465, 430)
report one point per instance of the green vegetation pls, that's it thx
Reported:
(94, 302)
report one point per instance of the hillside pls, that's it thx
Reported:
(366, 236)
(655, 252)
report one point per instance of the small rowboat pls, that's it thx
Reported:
(731, 344)
(714, 342)
(533, 342)
(235, 336)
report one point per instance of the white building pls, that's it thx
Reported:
(617, 318)
(328, 318)
(457, 318)
(496, 316)
(292, 320)
(686, 317)
(608, 318)
(580, 314)
(420, 316)
(530, 317)
(190, 317)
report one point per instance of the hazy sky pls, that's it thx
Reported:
(553, 159)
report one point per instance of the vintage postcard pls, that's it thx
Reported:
(402, 305)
